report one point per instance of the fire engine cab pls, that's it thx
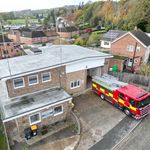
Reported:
(133, 100)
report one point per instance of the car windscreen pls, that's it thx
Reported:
(143, 102)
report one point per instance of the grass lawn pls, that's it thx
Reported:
(2, 139)
(20, 21)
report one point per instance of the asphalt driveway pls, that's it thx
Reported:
(97, 118)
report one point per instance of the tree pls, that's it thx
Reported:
(140, 14)
(45, 22)
(53, 16)
(93, 39)
(80, 41)
(145, 70)
(26, 21)
(107, 11)
(88, 14)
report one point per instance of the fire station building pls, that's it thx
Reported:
(36, 89)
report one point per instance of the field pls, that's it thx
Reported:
(21, 21)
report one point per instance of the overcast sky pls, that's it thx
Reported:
(13, 5)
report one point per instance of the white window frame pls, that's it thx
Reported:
(106, 43)
(56, 114)
(33, 83)
(138, 49)
(75, 86)
(32, 123)
(130, 48)
(19, 86)
(46, 80)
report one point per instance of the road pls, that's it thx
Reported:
(116, 134)
(139, 139)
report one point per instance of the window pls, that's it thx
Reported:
(132, 102)
(106, 43)
(75, 84)
(46, 76)
(33, 79)
(130, 48)
(143, 102)
(58, 110)
(121, 96)
(138, 49)
(18, 83)
(36, 118)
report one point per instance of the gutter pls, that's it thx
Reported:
(54, 66)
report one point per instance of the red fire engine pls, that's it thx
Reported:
(133, 100)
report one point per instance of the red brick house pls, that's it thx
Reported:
(125, 46)
(30, 36)
(68, 32)
(8, 48)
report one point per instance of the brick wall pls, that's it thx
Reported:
(18, 125)
(29, 41)
(67, 34)
(14, 36)
(23, 122)
(78, 75)
(11, 50)
(118, 62)
(105, 68)
(120, 47)
(40, 86)
(25, 40)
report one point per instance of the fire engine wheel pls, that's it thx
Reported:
(127, 112)
(102, 96)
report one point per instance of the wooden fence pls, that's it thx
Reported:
(133, 78)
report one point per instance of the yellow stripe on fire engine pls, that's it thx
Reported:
(111, 95)
(102, 89)
(121, 101)
(94, 85)
(132, 108)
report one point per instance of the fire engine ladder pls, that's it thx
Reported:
(109, 81)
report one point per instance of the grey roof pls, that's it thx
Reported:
(50, 57)
(34, 101)
(111, 35)
(144, 38)
(33, 34)
(6, 39)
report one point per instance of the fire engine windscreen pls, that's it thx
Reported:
(143, 103)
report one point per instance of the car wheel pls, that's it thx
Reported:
(102, 96)
(127, 112)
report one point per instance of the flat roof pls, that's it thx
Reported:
(51, 56)
(33, 102)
